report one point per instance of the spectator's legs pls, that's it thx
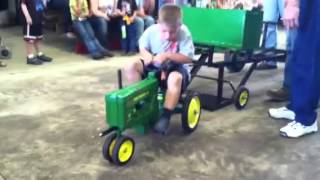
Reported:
(100, 27)
(124, 36)
(292, 34)
(272, 10)
(87, 36)
(305, 73)
(139, 22)
(148, 21)
(132, 39)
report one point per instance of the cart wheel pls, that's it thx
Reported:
(108, 147)
(241, 97)
(232, 57)
(123, 150)
(191, 113)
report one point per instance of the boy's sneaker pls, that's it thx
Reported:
(162, 126)
(34, 61)
(282, 113)
(296, 129)
(107, 53)
(44, 58)
(97, 56)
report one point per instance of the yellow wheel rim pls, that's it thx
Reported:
(125, 151)
(194, 112)
(243, 99)
(111, 147)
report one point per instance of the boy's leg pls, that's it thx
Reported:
(174, 84)
(29, 39)
(133, 71)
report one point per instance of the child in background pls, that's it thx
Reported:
(128, 10)
(80, 14)
(32, 11)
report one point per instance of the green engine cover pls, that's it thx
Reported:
(134, 106)
(232, 29)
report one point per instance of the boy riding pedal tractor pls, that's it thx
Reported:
(168, 42)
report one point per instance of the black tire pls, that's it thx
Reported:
(235, 66)
(123, 150)
(193, 101)
(108, 147)
(241, 97)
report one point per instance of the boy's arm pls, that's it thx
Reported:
(146, 55)
(186, 49)
(26, 12)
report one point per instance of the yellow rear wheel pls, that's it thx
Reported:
(191, 113)
(241, 97)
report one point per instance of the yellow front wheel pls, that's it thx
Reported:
(123, 150)
(241, 97)
(108, 147)
(191, 113)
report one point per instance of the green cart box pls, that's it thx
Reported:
(231, 29)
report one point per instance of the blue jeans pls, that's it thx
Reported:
(63, 7)
(100, 27)
(305, 70)
(142, 24)
(273, 9)
(129, 42)
(291, 37)
(85, 32)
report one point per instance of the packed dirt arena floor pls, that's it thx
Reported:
(51, 115)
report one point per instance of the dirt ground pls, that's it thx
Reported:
(51, 115)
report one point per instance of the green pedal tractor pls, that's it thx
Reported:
(139, 106)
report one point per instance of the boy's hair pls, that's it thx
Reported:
(170, 15)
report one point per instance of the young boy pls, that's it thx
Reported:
(32, 30)
(128, 10)
(167, 41)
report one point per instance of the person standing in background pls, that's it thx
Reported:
(272, 11)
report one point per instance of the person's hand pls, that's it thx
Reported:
(107, 18)
(131, 19)
(291, 14)
(29, 20)
(159, 59)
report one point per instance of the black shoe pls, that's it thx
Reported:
(281, 94)
(34, 61)
(97, 56)
(266, 66)
(44, 58)
(107, 53)
(162, 126)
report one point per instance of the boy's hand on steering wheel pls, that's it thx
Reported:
(159, 59)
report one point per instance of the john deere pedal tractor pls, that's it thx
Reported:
(139, 106)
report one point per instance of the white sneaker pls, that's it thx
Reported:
(282, 113)
(296, 129)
